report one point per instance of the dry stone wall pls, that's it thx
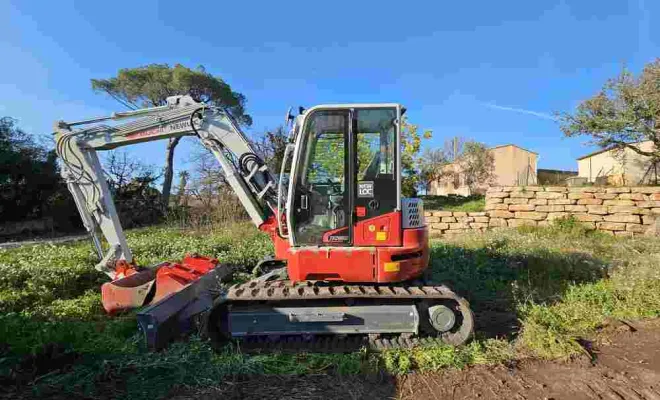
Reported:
(621, 211)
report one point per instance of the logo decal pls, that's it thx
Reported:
(366, 189)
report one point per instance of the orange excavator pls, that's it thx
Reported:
(350, 252)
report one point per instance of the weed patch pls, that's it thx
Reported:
(535, 292)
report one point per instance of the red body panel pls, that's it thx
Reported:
(383, 230)
(396, 255)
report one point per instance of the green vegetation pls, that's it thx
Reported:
(473, 203)
(535, 292)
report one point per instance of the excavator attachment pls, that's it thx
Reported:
(134, 287)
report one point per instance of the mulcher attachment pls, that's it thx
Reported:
(133, 287)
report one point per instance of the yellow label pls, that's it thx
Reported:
(391, 267)
(381, 235)
(372, 228)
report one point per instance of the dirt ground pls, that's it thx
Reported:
(624, 363)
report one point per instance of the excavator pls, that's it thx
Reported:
(350, 252)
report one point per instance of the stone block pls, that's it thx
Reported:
(637, 228)
(628, 218)
(586, 189)
(537, 216)
(431, 220)
(477, 214)
(460, 214)
(601, 210)
(550, 195)
(631, 196)
(646, 189)
(560, 189)
(588, 217)
(478, 225)
(459, 225)
(624, 209)
(592, 202)
(654, 197)
(647, 204)
(533, 188)
(648, 219)
(562, 201)
(443, 214)
(464, 220)
(428, 213)
(516, 201)
(522, 207)
(557, 215)
(655, 211)
(496, 195)
(508, 188)
(490, 207)
(448, 219)
(501, 214)
(611, 226)
(439, 226)
(605, 196)
(538, 202)
(571, 208)
(617, 190)
(624, 233)
(497, 222)
(514, 223)
(483, 220)
(545, 223)
(523, 195)
(493, 201)
(553, 208)
(580, 195)
(618, 202)
(494, 189)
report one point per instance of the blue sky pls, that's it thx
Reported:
(485, 70)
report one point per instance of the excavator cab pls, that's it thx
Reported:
(345, 172)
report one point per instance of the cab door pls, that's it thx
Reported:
(320, 207)
(376, 196)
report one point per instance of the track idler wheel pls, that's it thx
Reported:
(451, 321)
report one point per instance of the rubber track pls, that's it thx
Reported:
(310, 290)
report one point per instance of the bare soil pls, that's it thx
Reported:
(623, 363)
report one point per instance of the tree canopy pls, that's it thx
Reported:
(625, 111)
(30, 185)
(150, 85)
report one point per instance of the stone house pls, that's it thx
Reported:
(513, 166)
(618, 167)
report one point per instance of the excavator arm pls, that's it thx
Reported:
(78, 143)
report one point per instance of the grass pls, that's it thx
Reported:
(545, 289)
(454, 203)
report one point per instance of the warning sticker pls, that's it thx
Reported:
(366, 189)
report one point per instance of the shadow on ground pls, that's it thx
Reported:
(496, 280)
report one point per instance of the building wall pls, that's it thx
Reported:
(512, 166)
(616, 167)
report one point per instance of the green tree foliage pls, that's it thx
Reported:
(30, 185)
(150, 85)
(432, 165)
(476, 164)
(625, 111)
(411, 141)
